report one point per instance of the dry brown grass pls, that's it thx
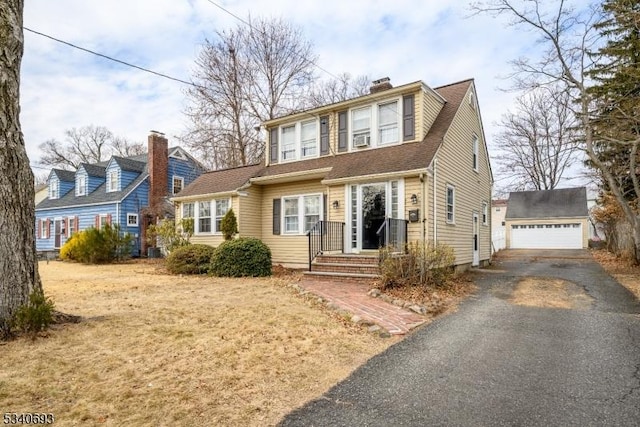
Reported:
(547, 292)
(622, 269)
(155, 349)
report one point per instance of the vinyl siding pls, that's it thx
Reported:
(336, 193)
(412, 186)
(430, 108)
(250, 213)
(86, 218)
(133, 204)
(290, 250)
(93, 183)
(471, 188)
(186, 169)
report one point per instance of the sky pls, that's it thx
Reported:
(436, 41)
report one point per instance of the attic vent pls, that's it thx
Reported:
(380, 85)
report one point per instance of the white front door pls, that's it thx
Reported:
(368, 206)
(476, 241)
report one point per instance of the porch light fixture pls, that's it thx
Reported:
(335, 204)
(414, 199)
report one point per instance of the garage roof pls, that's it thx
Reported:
(558, 203)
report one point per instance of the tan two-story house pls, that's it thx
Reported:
(406, 163)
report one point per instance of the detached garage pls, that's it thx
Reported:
(547, 219)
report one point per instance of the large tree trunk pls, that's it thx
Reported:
(18, 266)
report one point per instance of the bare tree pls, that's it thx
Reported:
(245, 76)
(539, 140)
(337, 89)
(570, 37)
(88, 144)
(18, 267)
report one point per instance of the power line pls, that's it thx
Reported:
(248, 23)
(146, 70)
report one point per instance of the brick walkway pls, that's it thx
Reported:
(353, 298)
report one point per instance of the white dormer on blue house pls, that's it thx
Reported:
(129, 191)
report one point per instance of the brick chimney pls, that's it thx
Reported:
(158, 165)
(380, 85)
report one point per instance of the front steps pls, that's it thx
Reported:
(344, 268)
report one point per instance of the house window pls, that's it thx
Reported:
(132, 220)
(53, 190)
(72, 226)
(475, 153)
(112, 181)
(361, 125)
(305, 210)
(309, 142)
(102, 220)
(178, 183)
(81, 185)
(204, 217)
(222, 206)
(485, 213)
(289, 142)
(187, 210)
(291, 215)
(451, 200)
(388, 123)
(44, 231)
(311, 211)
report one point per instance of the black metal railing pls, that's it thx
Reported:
(393, 234)
(325, 236)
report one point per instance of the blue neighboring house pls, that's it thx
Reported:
(130, 191)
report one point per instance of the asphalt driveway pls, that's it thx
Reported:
(494, 362)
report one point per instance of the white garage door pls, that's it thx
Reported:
(546, 236)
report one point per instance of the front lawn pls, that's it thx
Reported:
(156, 349)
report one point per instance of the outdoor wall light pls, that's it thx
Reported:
(414, 199)
(335, 204)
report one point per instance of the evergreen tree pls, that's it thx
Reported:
(616, 93)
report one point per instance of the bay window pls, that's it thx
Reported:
(204, 217)
(222, 206)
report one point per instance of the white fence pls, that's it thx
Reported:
(498, 240)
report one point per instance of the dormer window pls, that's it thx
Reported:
(81, 185)
(388, 123)
(54, 189)
(112, 181)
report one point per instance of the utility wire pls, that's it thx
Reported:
(146, 70)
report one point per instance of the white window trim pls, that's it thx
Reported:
(374, 128)
(81, 190)
(193, 204)
(297, 154)
(173, 184)
(300, 198)
(54, 189)
(485, 213)
(44, 229)
(453, 204)
(102, 220)
(196, 218)
(212, 215)
(476, 160)
(131, 215)
(109, 188)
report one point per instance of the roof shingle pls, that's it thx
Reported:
(543, 204)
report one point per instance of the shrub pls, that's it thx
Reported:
(168, 235)
(229, 225)
(242, 257)
(422, 265)
(36, 315)
(190, 259)
(97, 246)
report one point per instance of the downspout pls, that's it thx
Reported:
(435, 184)
(423, 198)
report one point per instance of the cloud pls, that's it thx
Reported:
(406, 40)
